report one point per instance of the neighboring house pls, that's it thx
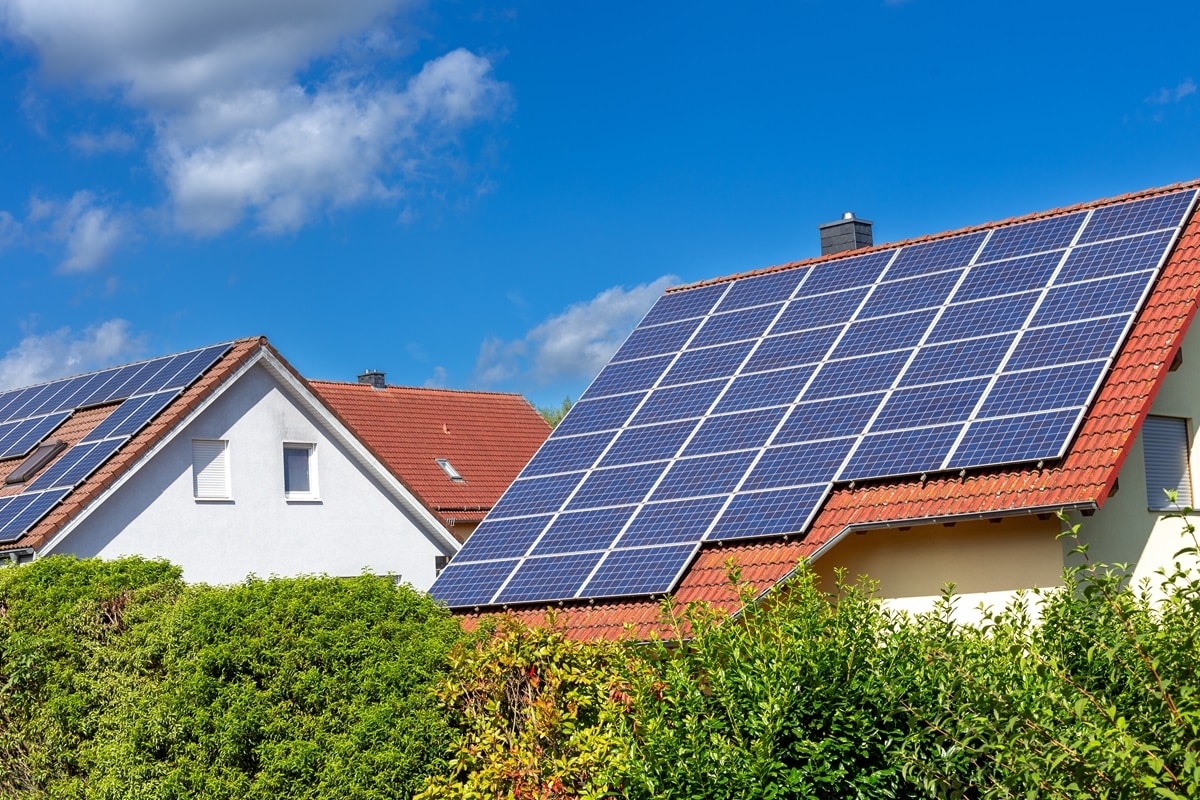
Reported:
(456, 451)
(222, 460)
(915, 412)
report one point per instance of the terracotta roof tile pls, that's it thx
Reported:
(1083, 477)
(488, 437)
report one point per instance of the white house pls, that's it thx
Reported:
(221, 460)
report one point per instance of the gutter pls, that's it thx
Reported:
(18, 555)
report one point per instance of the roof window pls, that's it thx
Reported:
(39, 458)
(450, 471)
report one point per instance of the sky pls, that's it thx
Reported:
(490, 195)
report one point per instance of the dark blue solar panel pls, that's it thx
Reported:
(82, 388)
(138, 377)
(127, 418)
(32, 400)
(814, 312)
(549, 578)
(627, 376)
(583, 530)
(28, 515)
(50, 402)
(711, 362)
(705, 475)
(764, 389)
(845, 273)
(734, 326)
(535, 495)
(1011, 439)
(28, 434)
(769, 513)
(462, 585)
(674, 306)
(649, 443)
(734, 431)
(499, 538)
(884, 333)
(589, 416)
(655, 341)
(10, 507)
(1062, 344)
(677, 402)
(928, 405)
(618, 486)
(935, 256)
(1052, 233)
(672, 522)
(1008, 277)
(563, 454)
(1093, 299)
(826, 419)
(77, 464)
(901, 452)
(803, 347)
(772, 288)
(634, 572)
(965, 358)
(108, 391)
(7, 399)
(1138, 216)
(196, 367)
(857, 375)
(983, 317)
(1042, 389)
(1114, 258)
(812, 462)
(165, 377)
(899, 297)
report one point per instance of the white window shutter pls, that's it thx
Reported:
(210, 469)
(1165, 446)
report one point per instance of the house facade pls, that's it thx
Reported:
(244, 471)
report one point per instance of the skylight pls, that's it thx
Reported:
(450, 471)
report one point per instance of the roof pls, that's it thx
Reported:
(1082, 479)
(228, 361)
(487, 437)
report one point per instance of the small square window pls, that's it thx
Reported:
(300, 471)
(1165, 447)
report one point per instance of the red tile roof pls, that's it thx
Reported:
(487, 437)
(1083, 477)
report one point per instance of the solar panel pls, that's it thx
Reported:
(734, 408)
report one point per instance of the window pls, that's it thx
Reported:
(439, 564)
(300, 471)
(449, 469)
(36, 460)
(210, 469)
(1165, 447)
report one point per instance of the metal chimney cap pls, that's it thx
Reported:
(848, 215)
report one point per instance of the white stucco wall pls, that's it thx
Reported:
(355, 526)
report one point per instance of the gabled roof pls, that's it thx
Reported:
(229, 361)
(1081, 479)
(487, 437)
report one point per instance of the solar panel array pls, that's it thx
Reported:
(29, 415)
(733, 408)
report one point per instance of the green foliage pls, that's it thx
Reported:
(554, 414)
(535, 712)
(310, 687)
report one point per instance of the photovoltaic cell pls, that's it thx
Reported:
(583, 530)
(497, 538)
(954, 352)
(628, 376)
(674, 306)
(28, 516)
(77, 464)
(1053, 233)
(642, 571)
(26, 435)
(769, 513)
(549, 578)
(648, 443)
(671, 522)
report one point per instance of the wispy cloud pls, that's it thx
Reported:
(574, 344)
(10, 229)
(37, 358)
(237, 132)
(113, 141)
(87, 231)
(1167, 96)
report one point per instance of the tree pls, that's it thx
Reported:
(554, 414)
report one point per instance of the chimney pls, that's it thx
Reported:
(372, 378)
(848, 233)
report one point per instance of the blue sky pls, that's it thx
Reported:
(490, 195)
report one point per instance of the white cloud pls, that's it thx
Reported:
(10, 229)
(88, 231)
(112, 141)
(236, 133)
(574, 344)
(1167, 96)
(41, 358)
